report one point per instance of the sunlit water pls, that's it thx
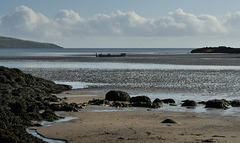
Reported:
(180, 82)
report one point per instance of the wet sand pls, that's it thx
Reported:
(142, 125)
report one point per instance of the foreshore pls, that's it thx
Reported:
(110, 124)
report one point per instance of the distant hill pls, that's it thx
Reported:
(219, 49)
(13, 43)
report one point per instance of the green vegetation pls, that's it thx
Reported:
(13, 43)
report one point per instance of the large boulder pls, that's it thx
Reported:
(141, 99)
(216, 103)
(189, 103)
(116, 95)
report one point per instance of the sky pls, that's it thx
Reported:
(123, 23)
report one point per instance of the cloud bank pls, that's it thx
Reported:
(24, 22)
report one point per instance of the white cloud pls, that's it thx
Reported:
(24, 22)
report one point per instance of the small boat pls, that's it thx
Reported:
(111, 55)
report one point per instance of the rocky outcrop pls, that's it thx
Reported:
(114, 95)
(22, 96)
(216, 103)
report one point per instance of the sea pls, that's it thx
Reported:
(80, 68)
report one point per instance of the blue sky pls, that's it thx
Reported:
(125, 23)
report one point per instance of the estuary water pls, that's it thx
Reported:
(142, 72)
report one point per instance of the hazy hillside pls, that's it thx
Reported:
(12, 43)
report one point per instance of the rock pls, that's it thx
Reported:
(98, 102)
(202, 102)
(120, 104)
(216, 103)
(189, 103)
(169, 121)
(235, 103)
(49, 115)
(141, 99)
(157, 103)
(22, 96)
(168, 101)
(114, 95)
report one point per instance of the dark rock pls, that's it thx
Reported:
(114, 95)
(235, 103)
(98, 102)
(202, 102)
(141, 99)
(221, 104)
(168, 101)
(21, 97)
(18, 108)
(119, 104)
(189, 103)
(49, 115)
(157, 103)
(169, 121)
(52, 98)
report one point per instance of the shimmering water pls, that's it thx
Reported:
(154, 80)
(177, 81)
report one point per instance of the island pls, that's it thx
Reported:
(219, 49)
(13, 43)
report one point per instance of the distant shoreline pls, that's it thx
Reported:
(219, 49)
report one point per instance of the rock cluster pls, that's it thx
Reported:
(122, 99)
(22, 97)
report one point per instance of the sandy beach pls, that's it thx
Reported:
(141, 125)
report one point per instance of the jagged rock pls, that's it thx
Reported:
(216, 103)
(114, 95)
(189, 103)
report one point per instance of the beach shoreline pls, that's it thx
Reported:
(97, 124)
(110, 124)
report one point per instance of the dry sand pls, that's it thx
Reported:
(141, 125)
